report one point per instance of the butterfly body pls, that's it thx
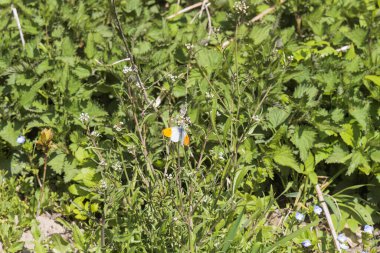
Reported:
(177, 134)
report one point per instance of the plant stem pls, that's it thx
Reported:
(42, 186)
(328, 216)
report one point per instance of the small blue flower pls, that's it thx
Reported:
(20, 139)
(364, 251)
(342, 238)
(343, 246)
(306, 243)
(368, 229)
(317, 210)
(300, 216)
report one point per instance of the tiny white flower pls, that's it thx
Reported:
(256, 118)
(209, 95)
(103, 184)
(306, 243)
(103, 163)
(368, 229)
(189, 46)
(172, 77)
(241, 7)
(119, 126)
(21, 139)
(127, 69)
(300, 216)
(317, 210)
(343, 246)
(342, 238)
(117, 166)
(95, 133)
(84, 117)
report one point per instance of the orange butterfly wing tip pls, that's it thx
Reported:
(186, 141)
(167, 132)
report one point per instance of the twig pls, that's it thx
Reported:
(328, 216)
(130, 55)
(14, 10)
(210, 30)
(189, 8)
(264, 13)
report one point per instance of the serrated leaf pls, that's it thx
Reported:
(209, 59)
(310, 163)
(339, 155)
(285, 157)
(82, 71)
(357, 36)
(43, 67)
(375, 156)
(179, 91)
(259, 34)
(28, 97)
(303, 138)
(337, 115)
(361, 114)
(357, 160)
(347, 134)
(374, 79)
(9, 134)
(277, 116)
(67, 48)
(90, 46)
(57, 163)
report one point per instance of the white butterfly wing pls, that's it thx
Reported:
(175, 134)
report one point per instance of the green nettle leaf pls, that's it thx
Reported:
(358, 160)
(209, 59)
(303, 138)
(68, 48)
(361, 114)
(357, 36)
(43, 67)
(9, 134)
(90, 46)
(82, 71)
(310, 163)
(142, 48)
(179, 91)
(285, 157)
(340, 154)
(259, 34)
(57, 163)
(277, 116)
(337, 115)
(28, 97)
(347, 134)
(374, 79)
(375, 156)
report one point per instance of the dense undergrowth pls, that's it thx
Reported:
(272, 106)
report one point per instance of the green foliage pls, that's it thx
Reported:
(269, 107)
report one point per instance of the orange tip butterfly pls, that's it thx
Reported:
(177, 134)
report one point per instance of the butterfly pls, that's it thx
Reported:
(177, 134)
